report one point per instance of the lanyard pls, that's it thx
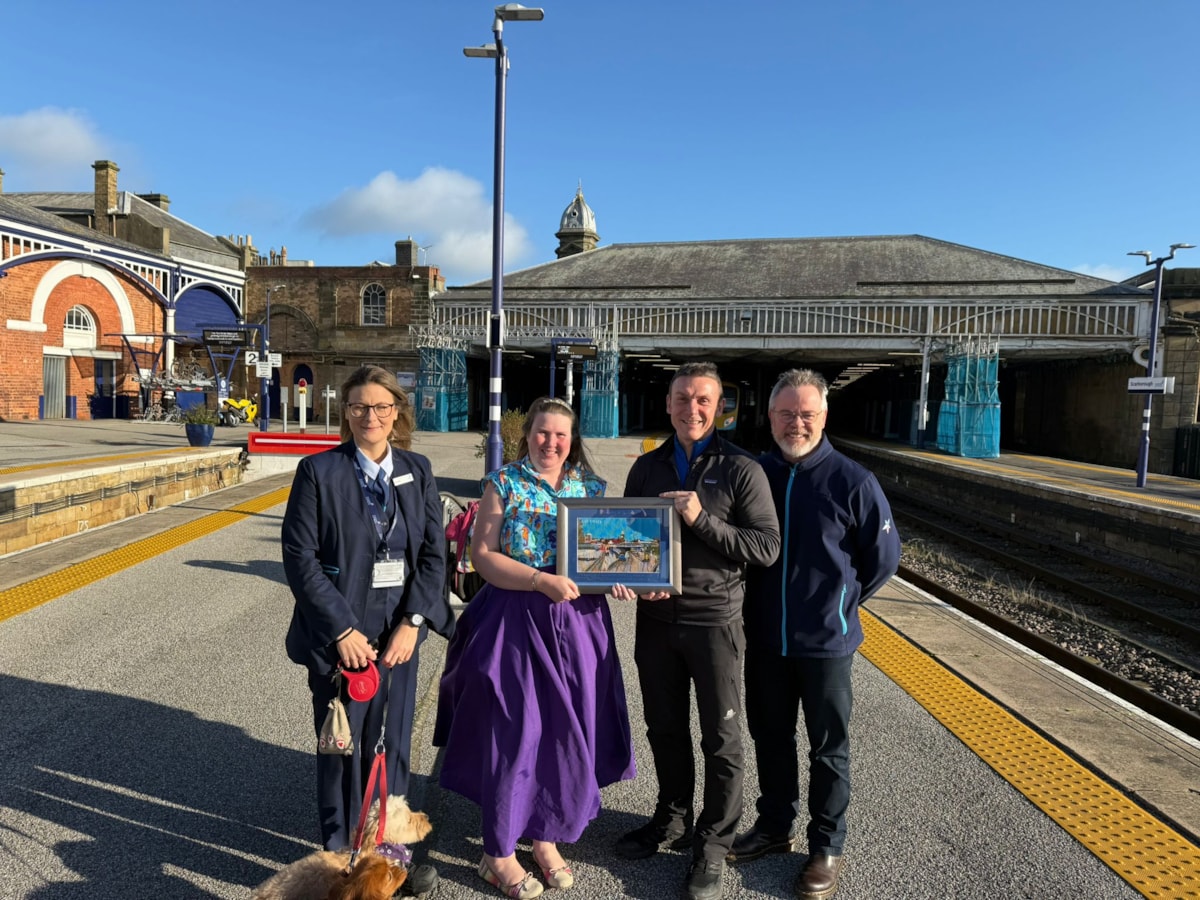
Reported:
(384, 524)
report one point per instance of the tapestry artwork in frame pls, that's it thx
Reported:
(632, 541)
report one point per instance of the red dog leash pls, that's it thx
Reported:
(378, 776)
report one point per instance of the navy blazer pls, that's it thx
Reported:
(329, 543)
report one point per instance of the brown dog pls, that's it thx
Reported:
(374, 877)
(322, 875)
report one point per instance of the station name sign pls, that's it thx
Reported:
(1152, 385)
(228, 337)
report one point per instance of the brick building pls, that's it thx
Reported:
(326, 321)
(98, 294)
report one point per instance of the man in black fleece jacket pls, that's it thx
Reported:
(729, 521)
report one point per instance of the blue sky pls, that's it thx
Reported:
(1063, 131)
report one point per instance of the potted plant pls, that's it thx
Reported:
(512, 422)
(198, 423)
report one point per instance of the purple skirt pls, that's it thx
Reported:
(532, 715)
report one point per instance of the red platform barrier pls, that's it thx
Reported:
(290, 443)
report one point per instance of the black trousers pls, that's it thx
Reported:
(777, 688)
(341, 780)
(670, 659)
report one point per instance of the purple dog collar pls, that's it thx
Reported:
(397, 852)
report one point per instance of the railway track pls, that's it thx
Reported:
(1125, 630)
(1124, 592)
(1097, 672)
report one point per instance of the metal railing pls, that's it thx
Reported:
(1104, 322)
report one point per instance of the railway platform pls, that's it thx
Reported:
(159, 745)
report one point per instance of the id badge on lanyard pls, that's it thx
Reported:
(387, 573)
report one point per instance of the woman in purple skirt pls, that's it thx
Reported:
(531, 709)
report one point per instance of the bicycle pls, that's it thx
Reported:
(153, 412)
(156, 412)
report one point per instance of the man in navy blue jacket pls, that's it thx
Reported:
(802, 628)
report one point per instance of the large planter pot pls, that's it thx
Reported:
(198, 435)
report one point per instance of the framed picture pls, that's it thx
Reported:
(632, 541)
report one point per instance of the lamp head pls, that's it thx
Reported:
(1145, 253)
(515, 12)
(1182, 246)
(484, 51)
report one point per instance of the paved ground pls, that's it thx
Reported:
(159, 747)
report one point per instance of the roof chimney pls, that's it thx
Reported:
(106, 192)
(162, 201)
(1, 181)
(406, 253)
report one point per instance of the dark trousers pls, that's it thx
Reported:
(341, 780)
(670, 659)
(777, 687)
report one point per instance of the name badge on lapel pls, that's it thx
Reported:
(406, 478)
(388, 573)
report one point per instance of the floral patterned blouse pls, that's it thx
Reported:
(529, 531)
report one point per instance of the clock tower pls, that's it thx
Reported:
(577, 230)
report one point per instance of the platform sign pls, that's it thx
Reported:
(275, 359)
(228, 337)
(1152, 385)
(263, 370)
(252, 357)
(582, 351)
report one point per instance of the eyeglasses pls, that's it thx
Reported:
(358, 410)
(788, 417)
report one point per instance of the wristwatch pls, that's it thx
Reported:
(416, 620)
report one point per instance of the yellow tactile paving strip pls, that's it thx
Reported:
(23, 597)
(1154, 859)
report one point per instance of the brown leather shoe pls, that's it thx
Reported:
(819, 877)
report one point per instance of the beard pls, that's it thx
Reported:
(798, 445)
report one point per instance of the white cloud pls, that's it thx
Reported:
(49, 149)
(444, 210)
(1111, 273)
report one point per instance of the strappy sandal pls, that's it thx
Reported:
(525, 889)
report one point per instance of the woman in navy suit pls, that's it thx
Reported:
(364, 554)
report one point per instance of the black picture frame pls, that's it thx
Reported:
(632, 541)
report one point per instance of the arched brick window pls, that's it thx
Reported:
(79, 329)
(374, 305)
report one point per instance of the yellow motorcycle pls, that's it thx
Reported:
(235, 412)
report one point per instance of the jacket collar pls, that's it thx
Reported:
(666, 449)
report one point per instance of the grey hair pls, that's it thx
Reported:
(798, 378)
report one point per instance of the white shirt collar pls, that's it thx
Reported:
(371, 468)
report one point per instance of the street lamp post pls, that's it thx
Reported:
(509, 12)
(1143, 460)
(264, 399)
